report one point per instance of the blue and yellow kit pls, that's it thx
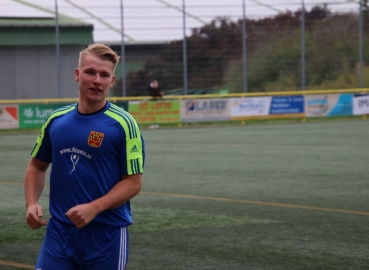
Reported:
(92, 152)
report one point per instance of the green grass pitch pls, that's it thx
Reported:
(261, 197)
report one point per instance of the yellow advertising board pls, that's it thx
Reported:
(155, 111)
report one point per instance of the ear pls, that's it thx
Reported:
(76, 74)
(112, 81)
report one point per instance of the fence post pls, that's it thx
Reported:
(185, 75)
(303, 71)
(122, 52)
(57, 45)
(361, 80)
(244, 47)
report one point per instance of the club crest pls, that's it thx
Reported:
(95, 139)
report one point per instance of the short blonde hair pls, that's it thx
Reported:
(101, 51)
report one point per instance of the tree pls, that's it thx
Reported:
(136, 85)
(214, 53)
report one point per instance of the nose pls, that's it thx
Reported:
(97, 79)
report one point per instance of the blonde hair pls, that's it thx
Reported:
(101, 51)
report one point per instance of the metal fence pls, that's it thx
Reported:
(202, 47)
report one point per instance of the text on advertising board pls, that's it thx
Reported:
(155, 111)
(199, 105)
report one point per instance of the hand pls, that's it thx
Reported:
(34, 215)
(81, 214)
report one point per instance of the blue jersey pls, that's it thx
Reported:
(89, 155)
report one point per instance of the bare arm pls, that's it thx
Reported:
(122, 192)
(34, 184)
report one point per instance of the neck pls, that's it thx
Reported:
(86, 108)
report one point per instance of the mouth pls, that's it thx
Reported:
(96, 89)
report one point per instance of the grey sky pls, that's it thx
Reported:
(159, 20)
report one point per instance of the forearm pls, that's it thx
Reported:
(121, 193)
(34, 184)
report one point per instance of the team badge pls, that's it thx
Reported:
(95, 139)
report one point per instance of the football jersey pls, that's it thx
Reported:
(89, 154)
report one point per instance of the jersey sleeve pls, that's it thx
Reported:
(133, 147)
(42, 149)
(135, 152)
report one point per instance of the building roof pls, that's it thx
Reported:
(27, 24)
(42, 36)
(41, 22)
(24, 13)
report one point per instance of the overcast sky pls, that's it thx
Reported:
(160, 20)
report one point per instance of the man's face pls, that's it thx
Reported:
(95, 77)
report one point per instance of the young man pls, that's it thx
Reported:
(97, 155)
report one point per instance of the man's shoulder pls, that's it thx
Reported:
(118, 110)
(63, 110)
(124, 119)
(60, 112)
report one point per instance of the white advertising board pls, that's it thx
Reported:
(9, 117)
(361, 105)
(250, 106)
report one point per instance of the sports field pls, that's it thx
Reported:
(259, 196)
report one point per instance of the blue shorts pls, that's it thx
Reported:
(95, 246)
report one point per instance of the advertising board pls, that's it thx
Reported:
(205, 110)
(9, 117)
(287, 105)
(34, 115)
(155, 111)
(361, 104)
(328, 105)
(250, 106)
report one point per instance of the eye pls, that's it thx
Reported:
(90, 72)
(106, 75)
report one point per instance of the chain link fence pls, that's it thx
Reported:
(203, 47)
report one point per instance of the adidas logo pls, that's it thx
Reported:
(134, 149)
